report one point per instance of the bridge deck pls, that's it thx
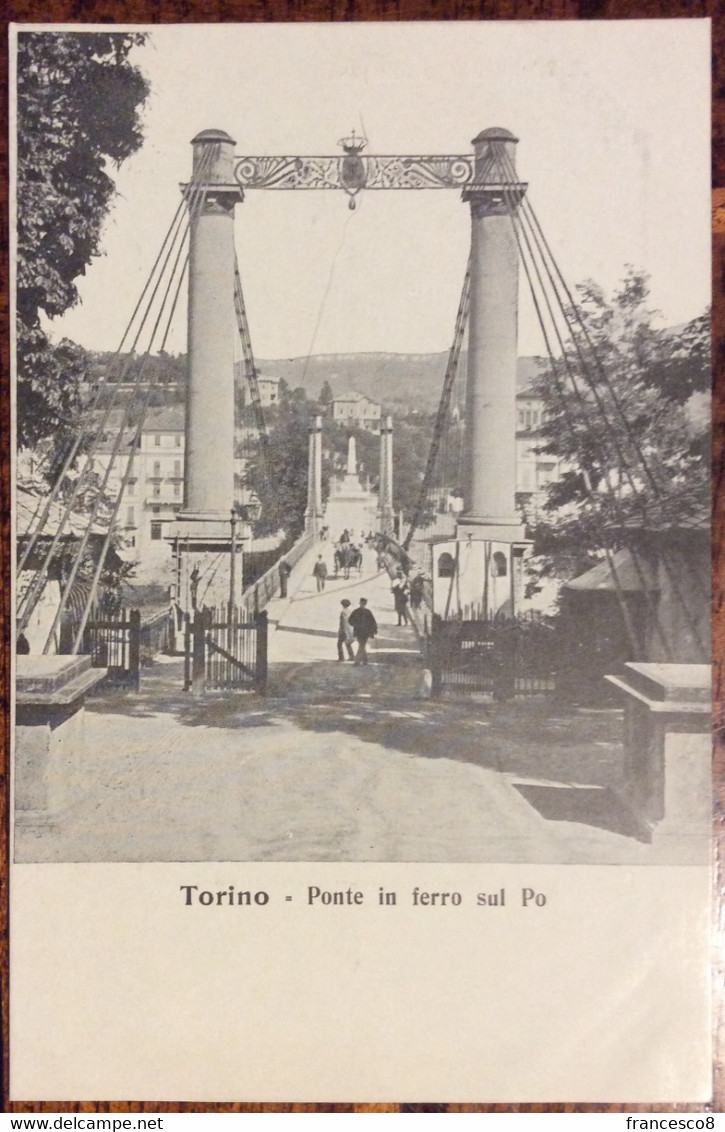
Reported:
(339, 763)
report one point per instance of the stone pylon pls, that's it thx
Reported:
(202, 531)
(480, 573)
(490, 436)
(386, 518)
(314, 511)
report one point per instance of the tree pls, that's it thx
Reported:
(282, 485)
(620, 416)
(326, 396)
(411, 443)
(78, 102)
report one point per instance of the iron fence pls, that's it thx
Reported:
(503, 657)
(113, 643)
(257, 596)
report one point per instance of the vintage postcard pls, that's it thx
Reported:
(362, 562)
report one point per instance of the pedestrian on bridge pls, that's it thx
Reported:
(285, 570)
(400, 597)
(344, 632)
(365, 627)
(319, 572)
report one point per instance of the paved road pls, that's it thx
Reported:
(339, 762)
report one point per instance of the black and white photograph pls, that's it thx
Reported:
(362, 462)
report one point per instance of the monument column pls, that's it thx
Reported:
(313, 512)
(351, 457)
(490, 437)
(385, 491)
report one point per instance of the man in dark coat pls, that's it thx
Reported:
(364, 626)
(319, 572)
(285, 570)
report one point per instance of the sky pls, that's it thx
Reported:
(614, 126)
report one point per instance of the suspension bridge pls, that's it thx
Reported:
(472, 624)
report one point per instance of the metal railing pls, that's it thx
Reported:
(395, 552)
(155, 632)
(257, 596)
(112, 642)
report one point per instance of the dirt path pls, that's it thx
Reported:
(338, 762)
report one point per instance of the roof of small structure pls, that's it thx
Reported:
(622, 571)
(106, 446)
(499, 133)
(212, 136)
(170, 418)
(356, 396)
(29, 506)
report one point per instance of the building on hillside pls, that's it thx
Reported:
(268, 387)
(357, 410)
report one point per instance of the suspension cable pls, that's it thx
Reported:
(674, 582)
(195, 197)
(100, 389)
(171, 235)
(126, 474)
(623, 463)
(520, 228)
(541, 239)
(38, 583)
(621, 599)
(443, 405)
(251, 370)
(34, 590)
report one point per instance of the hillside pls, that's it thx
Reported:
(400, 382)
(397, 381)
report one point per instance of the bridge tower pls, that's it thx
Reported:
(481, 571)
(385, 490)
(314, 512)
(202, 534)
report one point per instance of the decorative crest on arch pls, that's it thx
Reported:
(354, 170)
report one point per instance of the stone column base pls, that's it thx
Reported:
(668, 750)
(50, 697)
(203, 543)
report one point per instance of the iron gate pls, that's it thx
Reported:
(225, 651)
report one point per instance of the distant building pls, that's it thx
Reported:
(268, 387)
(358, 410)
(154, 491)
(534, 470)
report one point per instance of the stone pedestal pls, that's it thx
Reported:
(202, 566)
(314, 511)
(386, 518)
(668, 749)
(478, 575)
(50, 698)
